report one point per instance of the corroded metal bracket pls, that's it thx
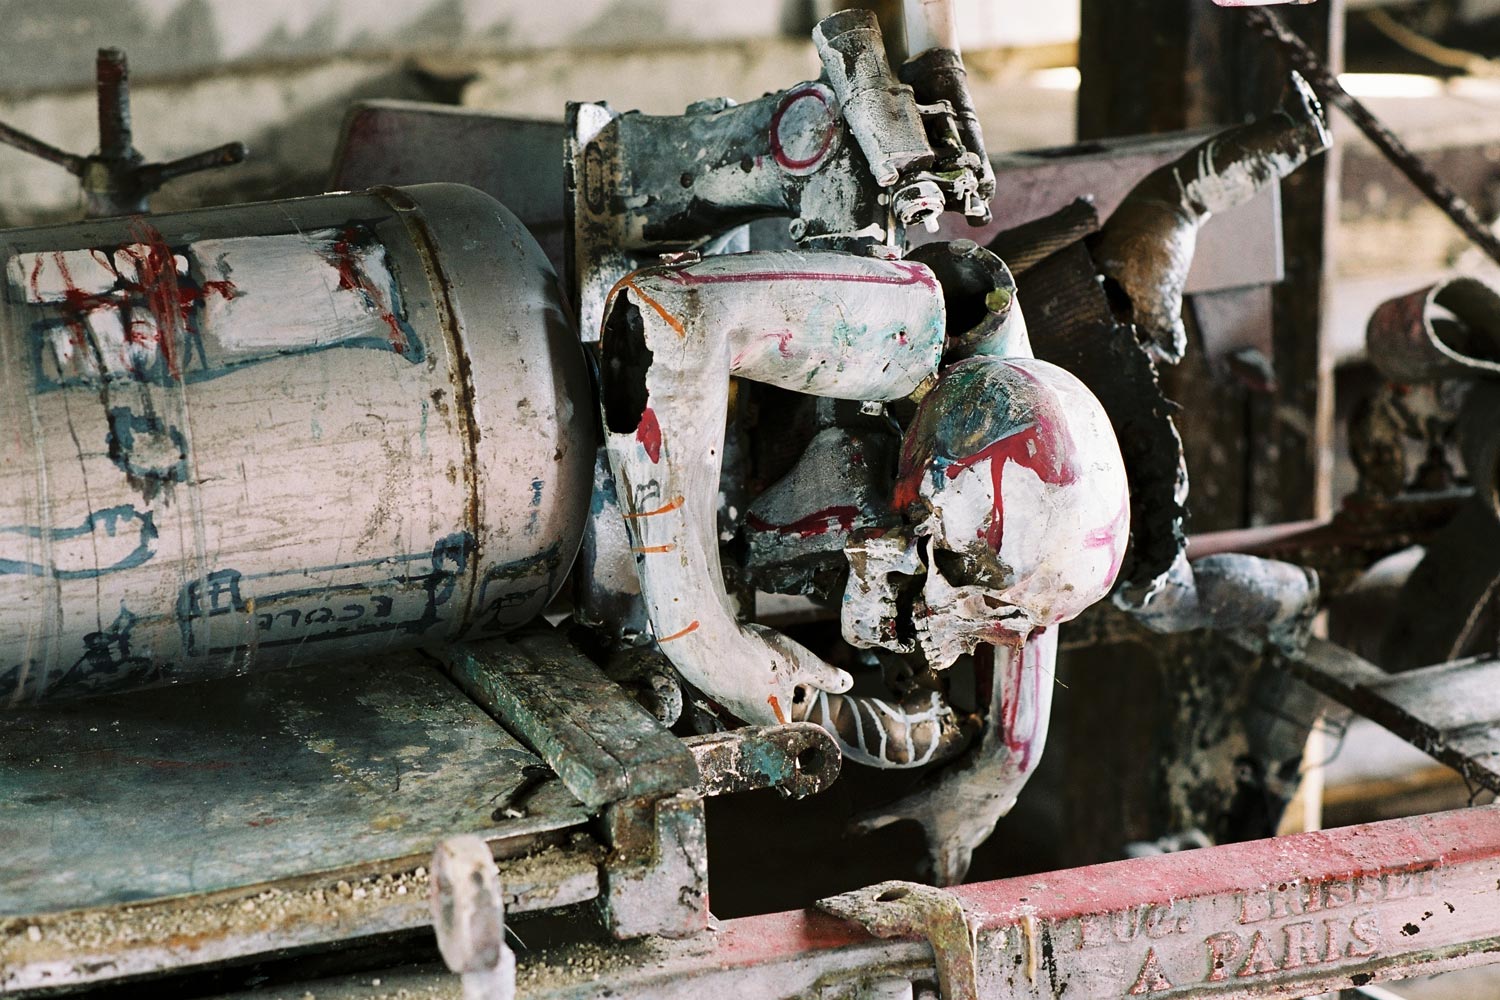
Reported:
(798, 760)
(610, 753)
(907, 909)
(656, 877)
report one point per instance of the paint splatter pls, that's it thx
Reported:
(648, 433)
(352, 277)
(817, 523)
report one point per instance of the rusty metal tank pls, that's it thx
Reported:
(276, 434)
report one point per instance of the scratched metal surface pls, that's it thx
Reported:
(251, 780)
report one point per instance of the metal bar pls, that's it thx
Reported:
(603, 745)
(1285, 917)
(113, 72)
(28, 143)
(1327, 86)
(1450, 711)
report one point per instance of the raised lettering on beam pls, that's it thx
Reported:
(1295, 899)
(1268, 951)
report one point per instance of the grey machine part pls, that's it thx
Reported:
(279, 433)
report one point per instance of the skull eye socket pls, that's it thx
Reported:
(960, 569)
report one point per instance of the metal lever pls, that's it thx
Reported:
(908, 909)
(116, 180)
(468, 915)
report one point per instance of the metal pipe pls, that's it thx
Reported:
(1327, 86)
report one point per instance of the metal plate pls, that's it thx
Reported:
(516, 161)
(1450, 711)
(253, 780)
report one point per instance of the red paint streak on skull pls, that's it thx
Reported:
(817, 523)
(352, 278)
(1044, 448)
(648, 433)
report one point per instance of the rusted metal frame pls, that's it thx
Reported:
(1155, 67)
(1450, 711)
(1326, 83)
(1284, 917)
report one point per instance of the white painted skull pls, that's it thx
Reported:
(1014, 495)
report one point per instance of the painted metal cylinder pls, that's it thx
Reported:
(276, 434)
(1441, 331)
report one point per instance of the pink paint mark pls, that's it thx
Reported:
(830, 129)
(353, 278)
(1022, 745)
(648, 433)
(818, 523)
(909, 274)
(783, 342)
(1113, 536)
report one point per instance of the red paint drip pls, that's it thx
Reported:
(353, 278)
(817, 523)
(648, 433)
(171, 301)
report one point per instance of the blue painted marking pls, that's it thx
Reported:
(124, 426)
(354, 609)
(112, 520)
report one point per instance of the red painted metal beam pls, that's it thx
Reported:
(1286, 917)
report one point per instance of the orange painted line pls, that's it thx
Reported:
(667, 508)
(776, 708)
(692, 627)
(654, 549)
(671, 320)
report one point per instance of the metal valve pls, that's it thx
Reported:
(116, 180)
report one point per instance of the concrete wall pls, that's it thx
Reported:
(279, 74)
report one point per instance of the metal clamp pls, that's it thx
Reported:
(907, 909)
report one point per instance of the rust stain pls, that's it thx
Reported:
(666, 508)
(655, 549)
(691, 628)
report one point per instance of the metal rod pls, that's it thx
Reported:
(1328, 88)
(31, 144)
(115, 140)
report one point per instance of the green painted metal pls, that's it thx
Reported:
(258, 779)
(604, 747)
